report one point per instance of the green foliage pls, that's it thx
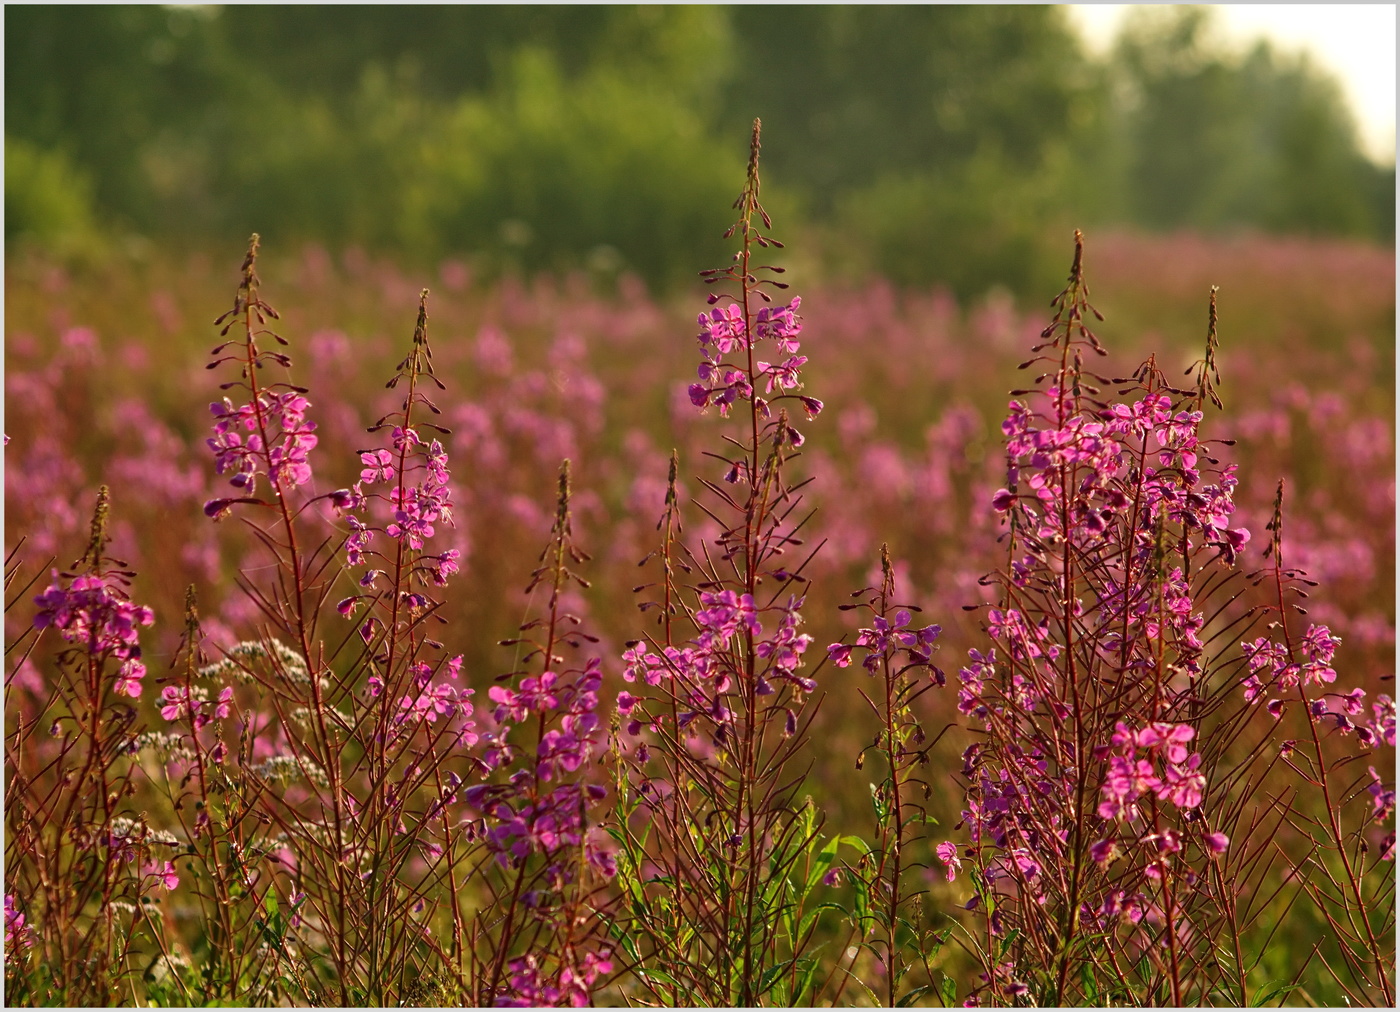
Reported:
(542, 169)
(972, 225)
(48, 200)
(560, 137)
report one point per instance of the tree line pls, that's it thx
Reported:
(935, 143)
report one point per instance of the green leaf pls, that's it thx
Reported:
(628, 944)
(859, 844)
(822, 863)
(949, 990)
(874, 998)
(862, 910)
(1086, 978)
(914, 996)
(806, 981)
(773, 979)
(882, 810)
(651, 973)
(1278, 990)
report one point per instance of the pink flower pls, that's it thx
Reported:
(1104, 852)
(97, 615)
(1172, 736)
(947, 852)
(1184, 787)
(166, 876)
(379, 465)
(17, 931)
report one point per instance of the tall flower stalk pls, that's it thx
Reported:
(362, 727)
(717, 841)
(899, 658)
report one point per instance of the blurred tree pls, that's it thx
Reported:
(542, 170)
(936, 143)
(854, 93)
(48, 201)
(101, 83)
(1214, 141)
(931, 139)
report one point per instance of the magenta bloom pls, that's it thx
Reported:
(1104, 852)
(379, 465)
(1216, 843)
(166, 876)
(1184, 787)
(95, 614)
(947, 852)
(16, 928)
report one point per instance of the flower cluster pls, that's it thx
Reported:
(723, 331)
(886, 639)
(278, 441)
(1098, 451)
(573, 701)
(181, 703)
(1151, 760)
(434, 701)
(1013, 810)
(93, 612)
(519, 827)
(531, 988)
(414, 509)
(523, 816)
(1273, 668)
(703, 672)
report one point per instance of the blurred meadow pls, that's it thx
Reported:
(557, 176)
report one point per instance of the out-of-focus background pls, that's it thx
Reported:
(929, 144)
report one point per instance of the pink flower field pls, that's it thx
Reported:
(434, 640)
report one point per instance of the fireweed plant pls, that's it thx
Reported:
(886, 912)
(381, 754)
(80, 863)
(719, 849)
(1134, 834)
(1165, 765)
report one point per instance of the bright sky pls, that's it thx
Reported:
(1356, 42)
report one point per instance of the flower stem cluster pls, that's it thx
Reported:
(269, 433)
(417, 494)
(1106, 794)
(900, 657)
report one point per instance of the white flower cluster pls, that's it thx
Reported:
(165, 747)
(286, 768)
(239, 658)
